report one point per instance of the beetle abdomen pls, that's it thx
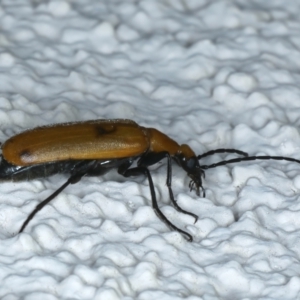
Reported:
(98, 139)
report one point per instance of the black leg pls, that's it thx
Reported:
(73, 179)
(143, 170)
(151, 159)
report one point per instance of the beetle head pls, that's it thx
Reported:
(187, 159)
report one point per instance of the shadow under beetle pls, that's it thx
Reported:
(92, 148)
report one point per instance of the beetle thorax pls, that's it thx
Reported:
(185, 151)
(159, 142)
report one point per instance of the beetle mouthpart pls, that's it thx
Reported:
(196, 186)
(196, 183)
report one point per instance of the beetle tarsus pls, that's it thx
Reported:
(178, 208)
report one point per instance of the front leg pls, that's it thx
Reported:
(153, 158)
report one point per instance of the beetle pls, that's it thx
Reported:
(92, 148)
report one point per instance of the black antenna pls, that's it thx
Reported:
(222, 150)
(248, 158)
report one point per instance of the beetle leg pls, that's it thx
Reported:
(151, 159)
(143, 170)
(73, 179)
(222, 150)
(42, 204)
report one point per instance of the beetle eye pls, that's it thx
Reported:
(191, 163)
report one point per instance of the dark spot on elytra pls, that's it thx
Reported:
(25, 154)
(102, 130)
